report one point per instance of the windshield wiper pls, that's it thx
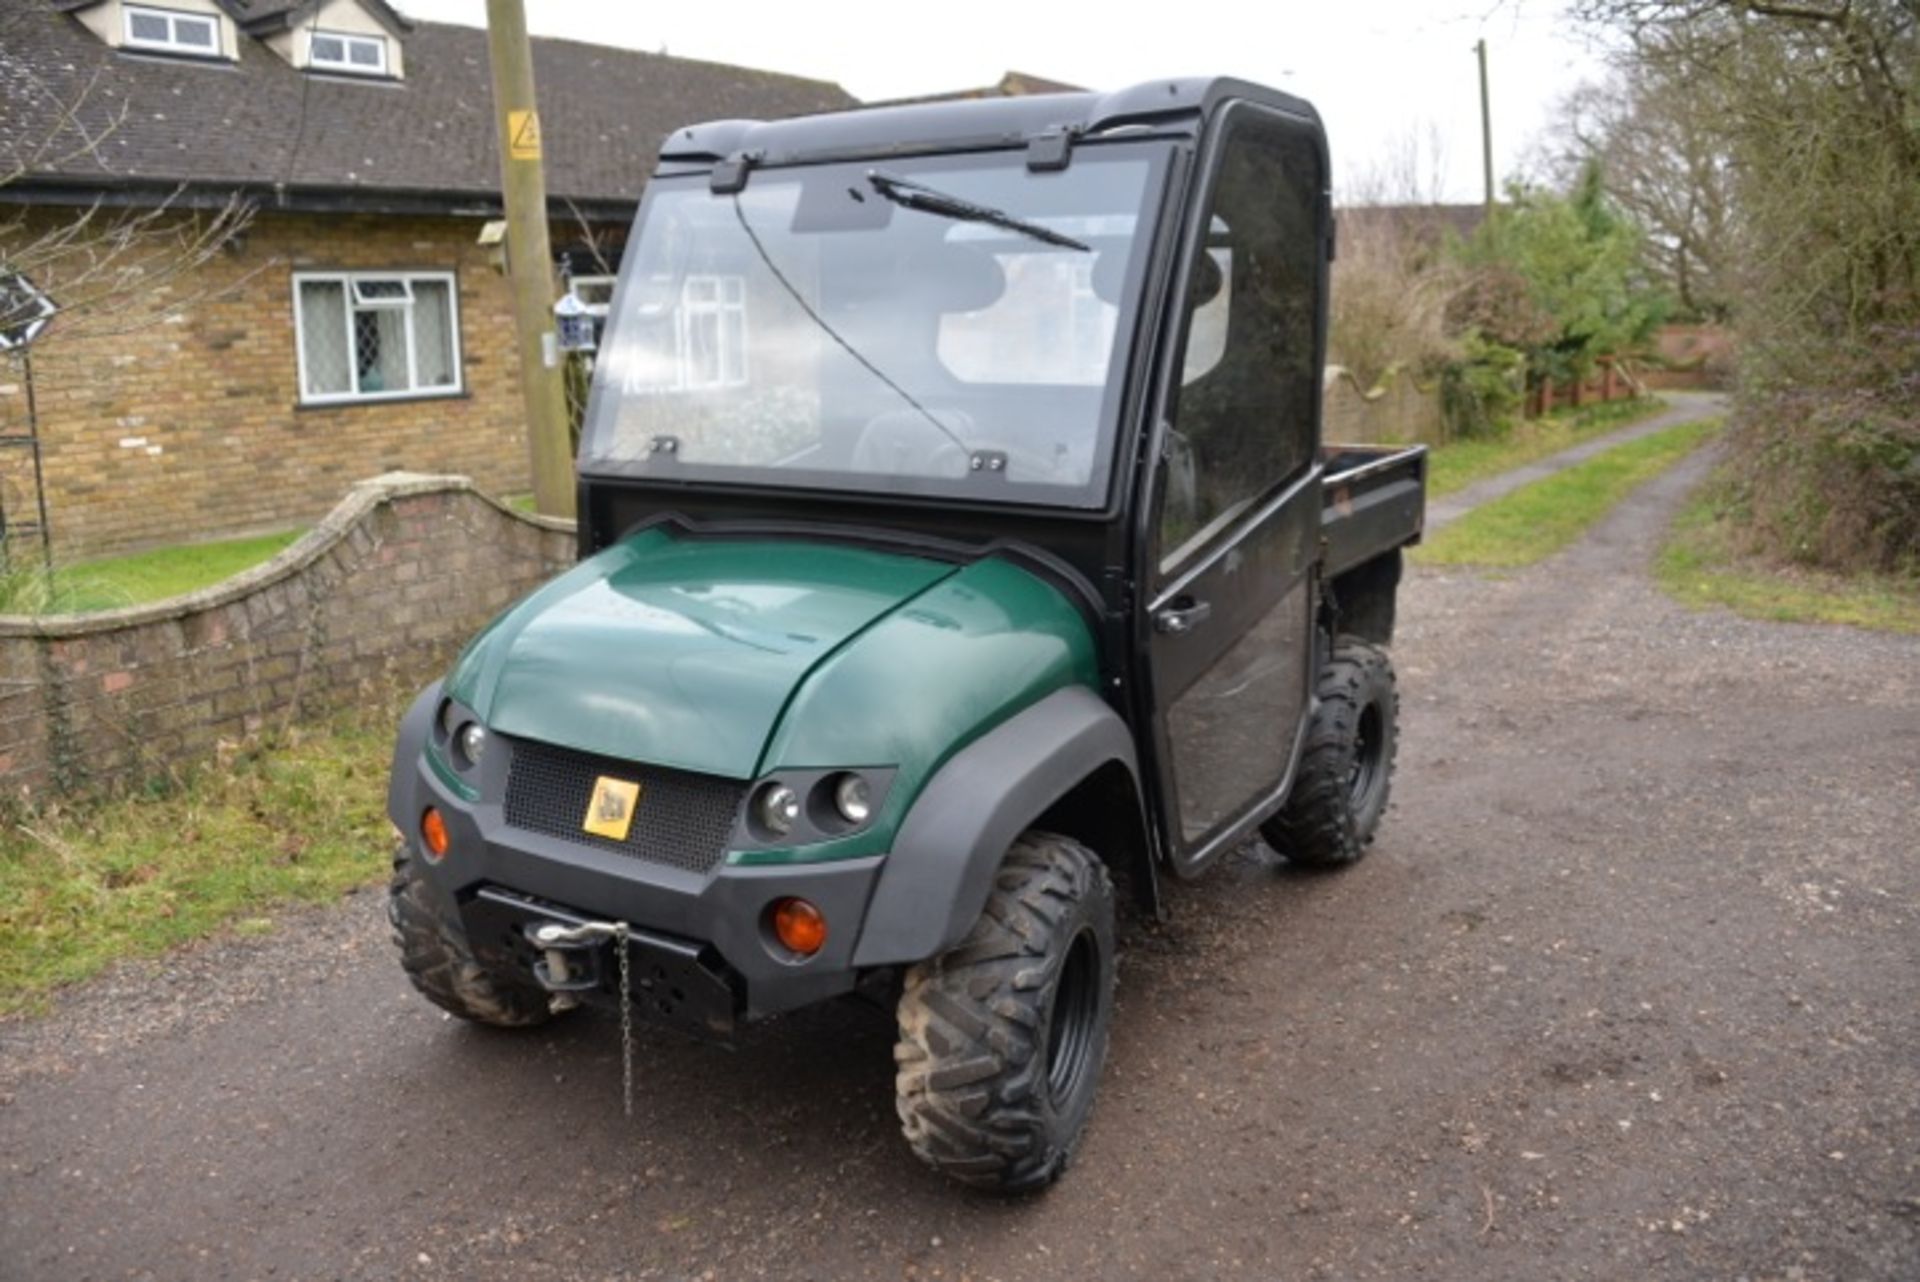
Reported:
(913, 195)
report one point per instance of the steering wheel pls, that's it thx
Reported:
(904, 443)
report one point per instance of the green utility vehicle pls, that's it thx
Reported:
(957, 545)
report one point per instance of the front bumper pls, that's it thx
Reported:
(498, 877)
(672, 981)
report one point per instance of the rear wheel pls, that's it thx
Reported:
(1002, 1038)
(437, 958)
(1346, 769)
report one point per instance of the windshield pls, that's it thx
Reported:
(948, 325)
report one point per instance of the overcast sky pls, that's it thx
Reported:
(1382, 72)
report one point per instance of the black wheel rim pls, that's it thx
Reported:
(1076, 1013)
(1368, 749)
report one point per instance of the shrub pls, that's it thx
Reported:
(1482, 390)
(1816, 135)
(1391, 292)
(1827, 462)
(1561, 279)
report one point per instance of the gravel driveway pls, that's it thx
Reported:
(1627, 990)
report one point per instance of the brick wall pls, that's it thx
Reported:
(190, 428)
(381, 594)
(1691, 356)
(1400, 410)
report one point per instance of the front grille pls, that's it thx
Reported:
(683, 820)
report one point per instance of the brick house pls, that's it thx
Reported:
(357, 325)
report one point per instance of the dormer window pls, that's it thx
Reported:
(169, 31)
(356, 55)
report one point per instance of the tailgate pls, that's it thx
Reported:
(1376, 500)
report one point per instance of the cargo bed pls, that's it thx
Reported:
(1375, 501)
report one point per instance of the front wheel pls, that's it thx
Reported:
(1346, 768)
(438, 959)
(1002, 1038)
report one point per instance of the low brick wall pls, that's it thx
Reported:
(1692, 357)
(379, 596)
(1400, 410)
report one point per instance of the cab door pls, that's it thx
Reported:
(1234, 505)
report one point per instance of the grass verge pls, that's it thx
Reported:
(113, 582)
(295, 819)
(1459, 464)
(1537, 520)
(1701, 565)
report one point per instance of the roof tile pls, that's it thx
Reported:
(161, 120)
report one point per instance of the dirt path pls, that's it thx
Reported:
(1683, 407)
(1626, 991)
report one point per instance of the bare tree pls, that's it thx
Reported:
(1817, 104)
(118, 271)
(1392, 281)
(1392, 285)
(1813, 104)
(1662, 149)
(1410, 170)
(109, 269)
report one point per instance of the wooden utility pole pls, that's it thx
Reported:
(530, 256)
(1486, 122)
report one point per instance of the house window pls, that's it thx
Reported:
(713, 332)
(168, 31)
(369, 336)
(337, 51)
(594, 292)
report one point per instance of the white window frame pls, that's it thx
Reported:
(173, 18)
(721, 308)
(595, 287)
(349, 283)
(359, 286)
(346, 63)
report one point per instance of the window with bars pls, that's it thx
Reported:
(338, 51)
(170, 31)
(369, 336)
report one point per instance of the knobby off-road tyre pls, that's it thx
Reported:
(435, 954)
(1346, 768)
(1002, 1038)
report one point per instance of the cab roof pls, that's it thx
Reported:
(1179, 105)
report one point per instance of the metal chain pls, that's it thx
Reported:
(551, 937)
(626, 1017)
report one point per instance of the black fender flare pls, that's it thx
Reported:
(935, 881)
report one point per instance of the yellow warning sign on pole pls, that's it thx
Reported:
(523, 134)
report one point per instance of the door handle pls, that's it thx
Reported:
(1184, 615)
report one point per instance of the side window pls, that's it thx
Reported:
(1243, 416)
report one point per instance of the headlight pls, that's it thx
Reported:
(449, 718)
(807, 807)
(471, 742)
(853, 798)
(776, 807)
